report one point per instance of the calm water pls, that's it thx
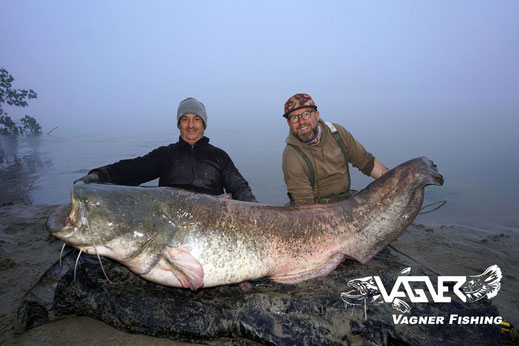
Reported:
(480, 185)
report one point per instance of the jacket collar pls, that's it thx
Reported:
(202, 141)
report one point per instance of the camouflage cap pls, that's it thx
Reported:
(299, 101)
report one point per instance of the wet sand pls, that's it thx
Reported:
(27, 251)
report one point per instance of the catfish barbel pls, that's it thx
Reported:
(182, 239)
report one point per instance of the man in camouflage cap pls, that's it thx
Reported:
(315, 160)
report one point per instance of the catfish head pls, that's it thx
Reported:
(111, 221)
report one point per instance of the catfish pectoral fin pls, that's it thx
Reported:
(186, 268)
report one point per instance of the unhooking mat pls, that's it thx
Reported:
(311, 312)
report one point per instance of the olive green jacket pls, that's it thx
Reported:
(332, 174)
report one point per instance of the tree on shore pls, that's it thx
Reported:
(19, 98)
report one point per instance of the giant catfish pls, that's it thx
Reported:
(183, 239)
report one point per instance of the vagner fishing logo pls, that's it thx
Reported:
(371, 290)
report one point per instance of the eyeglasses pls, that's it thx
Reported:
(305, 116)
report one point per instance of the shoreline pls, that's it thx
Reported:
(27, 251)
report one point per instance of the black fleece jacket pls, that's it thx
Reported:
(201, 168)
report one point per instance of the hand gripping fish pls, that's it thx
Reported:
(183, 239)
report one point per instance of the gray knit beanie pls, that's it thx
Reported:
(192, 106)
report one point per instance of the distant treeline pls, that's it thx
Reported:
(15, 97)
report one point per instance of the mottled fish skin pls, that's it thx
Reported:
(182, 239)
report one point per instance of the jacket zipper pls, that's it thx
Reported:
(194, 163)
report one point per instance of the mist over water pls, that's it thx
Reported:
(479, 170)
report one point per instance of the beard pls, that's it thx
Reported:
(307, 137)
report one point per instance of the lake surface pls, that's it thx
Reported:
(480, 187)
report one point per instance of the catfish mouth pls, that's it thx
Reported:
(66, 220)
(437, 179)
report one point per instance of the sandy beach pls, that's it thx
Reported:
(27, 251)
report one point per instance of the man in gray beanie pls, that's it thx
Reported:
(191, 163)
(192, 106)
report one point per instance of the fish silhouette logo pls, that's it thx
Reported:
(366, 290)
(371, 290)
(483, 285)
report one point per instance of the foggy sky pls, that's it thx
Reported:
(375, 66)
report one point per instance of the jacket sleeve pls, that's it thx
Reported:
(357, 155)
(296, 176)
(135, 171)
(234, 183)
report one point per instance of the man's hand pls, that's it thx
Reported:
(225, 196)
(89, 178)
(378, 169)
